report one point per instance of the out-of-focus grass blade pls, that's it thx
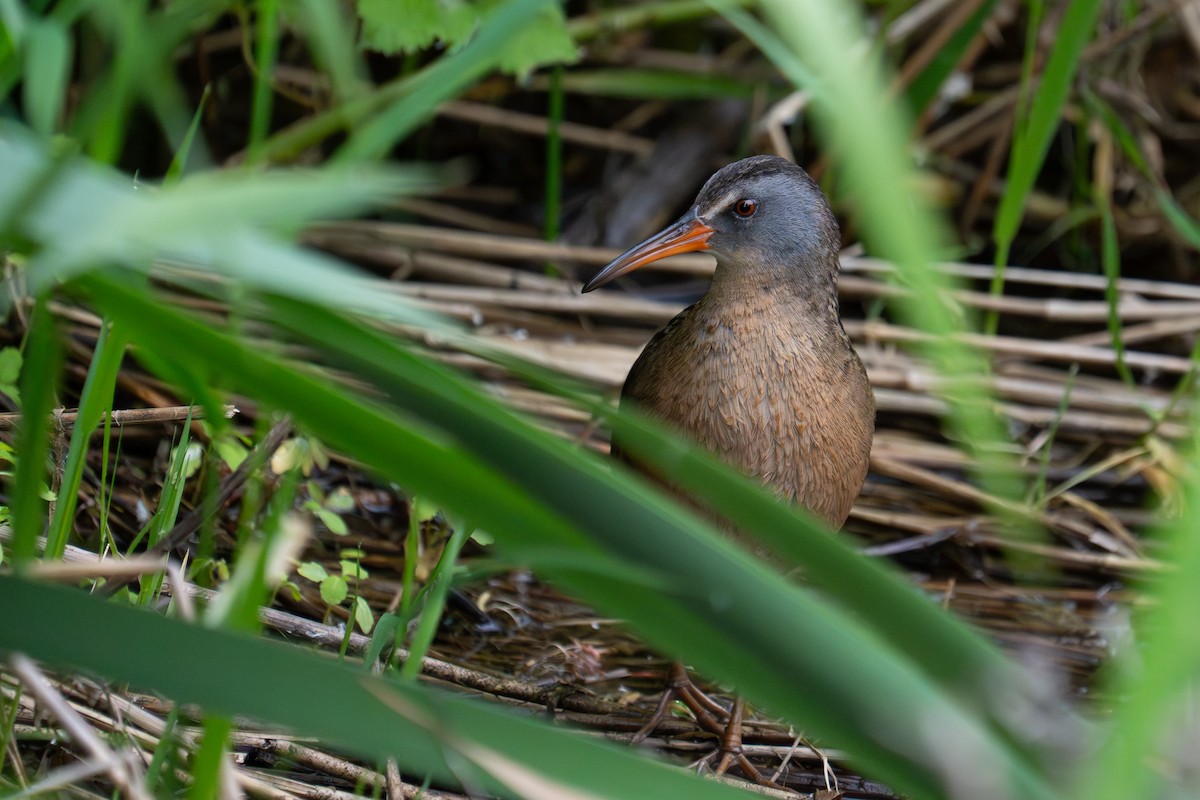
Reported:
(641, 15)
(82, 215)
(925, 87)
(774, 48)
(537, 493)
(266, 51)
(866, 133)
(179, 161)
(366, 714)
(330, 33)
(440, 82)
(1110, 260)
(655, 84)
(48, 50)
(1031, 140)
(953, 655)
(1183, 223)
(14, 28)
(1142, 749)
(39, 382)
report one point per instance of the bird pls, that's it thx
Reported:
(760, 370)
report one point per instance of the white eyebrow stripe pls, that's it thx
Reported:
(726, 200)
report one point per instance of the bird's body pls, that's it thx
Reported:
(760, 370)
(747, 374)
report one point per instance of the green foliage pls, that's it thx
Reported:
(1032, 135)
(407, 26)
(10, 373)
(915, 697)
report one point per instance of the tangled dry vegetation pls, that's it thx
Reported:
(1095, 429)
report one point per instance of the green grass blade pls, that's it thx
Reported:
(1151, 680)
(39, 382)
(926, 85)
(867, 136)
(435, 603)
(329, 31)
(94, 402)
(266, 53)
(1031, 140)
(1110, 260)
(179, 161)
(655, 84)
(48, 58)
(420, 728)
(554, 114)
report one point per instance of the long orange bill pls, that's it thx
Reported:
(686, 235)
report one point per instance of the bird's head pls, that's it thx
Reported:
(762, 214)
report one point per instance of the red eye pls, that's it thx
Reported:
(745, 207)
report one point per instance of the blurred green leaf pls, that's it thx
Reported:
(313, 571)
(27, 498)
(363, 617)
(366, 714)
(48, 56)
(331, 520)
(402, 26)
(10, 373)
(1156, 680)
(405, 26)
(85, 215)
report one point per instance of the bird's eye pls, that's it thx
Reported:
(745, 207)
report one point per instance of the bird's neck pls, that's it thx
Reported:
(808, 293)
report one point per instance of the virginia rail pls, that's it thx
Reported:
(760, 370)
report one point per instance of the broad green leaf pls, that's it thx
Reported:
(313, 571)
(363, 617)
(402, 26)
(334, 590)
(331, 520)
(405, 26)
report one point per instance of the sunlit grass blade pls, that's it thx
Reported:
(94, 402)
(1031, 139)
(39, 382)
